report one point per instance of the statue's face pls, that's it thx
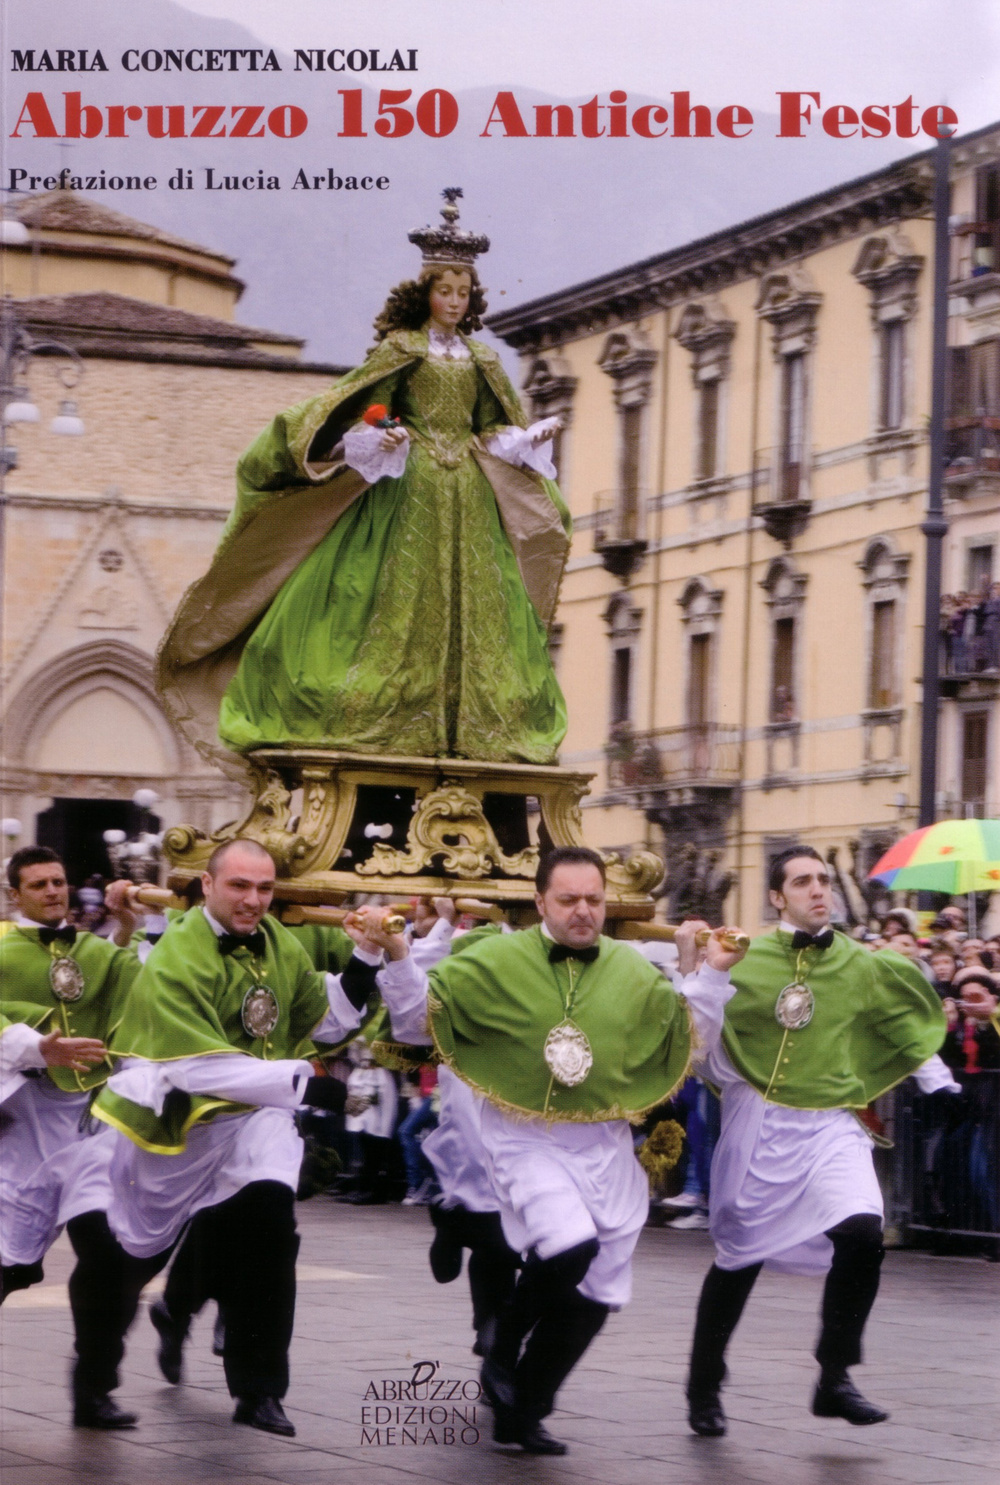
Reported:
(449, 298)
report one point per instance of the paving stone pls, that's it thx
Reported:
(929, 1345)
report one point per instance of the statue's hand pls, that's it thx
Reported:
(545, 430)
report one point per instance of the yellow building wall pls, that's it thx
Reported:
(832, 794)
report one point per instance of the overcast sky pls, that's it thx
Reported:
(853, 51)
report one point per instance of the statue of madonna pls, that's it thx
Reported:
(385, 581)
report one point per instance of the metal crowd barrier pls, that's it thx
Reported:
(944, 1170)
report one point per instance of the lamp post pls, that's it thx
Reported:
(17, 350)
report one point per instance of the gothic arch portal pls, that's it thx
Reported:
(108, 665)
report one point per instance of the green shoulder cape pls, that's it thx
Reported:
(188, 1001)
(876, 1018)
(493, 1004)
(289, 495)
(26, 994)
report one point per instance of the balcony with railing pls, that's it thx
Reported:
(970, 643)
(781, 492)
(619, 522)
(972, 454)
(706, 755)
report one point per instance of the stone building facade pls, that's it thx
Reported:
(105, 531)
(746, 458)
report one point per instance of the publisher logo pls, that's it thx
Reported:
(423, 1408)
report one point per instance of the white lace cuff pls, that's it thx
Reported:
(363, 451)
(514, 446)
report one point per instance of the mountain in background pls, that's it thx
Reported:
(318, 263)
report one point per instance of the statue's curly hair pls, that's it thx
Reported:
(408, 306)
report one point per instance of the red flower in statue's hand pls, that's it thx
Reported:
(376, 414)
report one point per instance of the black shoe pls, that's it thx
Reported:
(446, 1257)
(170, 1352)
(266, 1413)
(532, 1437)
(101, 1411)
(705, 1415)
(837, 1397)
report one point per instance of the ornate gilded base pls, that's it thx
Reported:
(340, 823)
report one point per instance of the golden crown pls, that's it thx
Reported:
(449, 244)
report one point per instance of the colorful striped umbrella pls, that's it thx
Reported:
(953, 856)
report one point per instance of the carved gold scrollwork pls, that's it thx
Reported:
(639, 873)
(561, 813)
(186, 845)
(449, 823)
(327, 810)
(267, 823)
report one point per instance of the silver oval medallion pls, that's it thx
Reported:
(66, 979)
(260, 1010)
(568, 1055)
(794, 1008)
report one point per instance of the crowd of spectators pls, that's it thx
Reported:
(372, 1153)
(970, 630)
(955, 1139)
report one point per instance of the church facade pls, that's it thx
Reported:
(105, 531)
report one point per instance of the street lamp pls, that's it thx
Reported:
(17, 351)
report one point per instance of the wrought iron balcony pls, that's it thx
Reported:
(781, 492)
(971, 666)
(972, 452)
(706, 754)
(620, 530)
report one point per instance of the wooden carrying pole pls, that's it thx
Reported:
(664, 933)
(294, 913)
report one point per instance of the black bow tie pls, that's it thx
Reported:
(255, 942)
(803, 940)
(153, 938)
(55, 935)
(559, 952)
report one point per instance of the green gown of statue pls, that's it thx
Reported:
(408, 628)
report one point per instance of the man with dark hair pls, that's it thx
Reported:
(567, 856)
(220, 1018)
(65, 991)
(776, 871)
(567, 1036)
(817, 1029)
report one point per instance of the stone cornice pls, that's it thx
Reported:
(711, 263)
(116, 502)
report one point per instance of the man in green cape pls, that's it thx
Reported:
(214, 1044)
(64, 991)
(192, 1279)
(567, 1036)
(817, 1029)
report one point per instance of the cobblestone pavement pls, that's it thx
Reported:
(369, 1312)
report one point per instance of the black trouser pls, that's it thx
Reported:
(848, 1295)
(252, 1273)
(493, 1264)
(192, 1278)
(555, 1323)
(104, 1290)
(14, 1276)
